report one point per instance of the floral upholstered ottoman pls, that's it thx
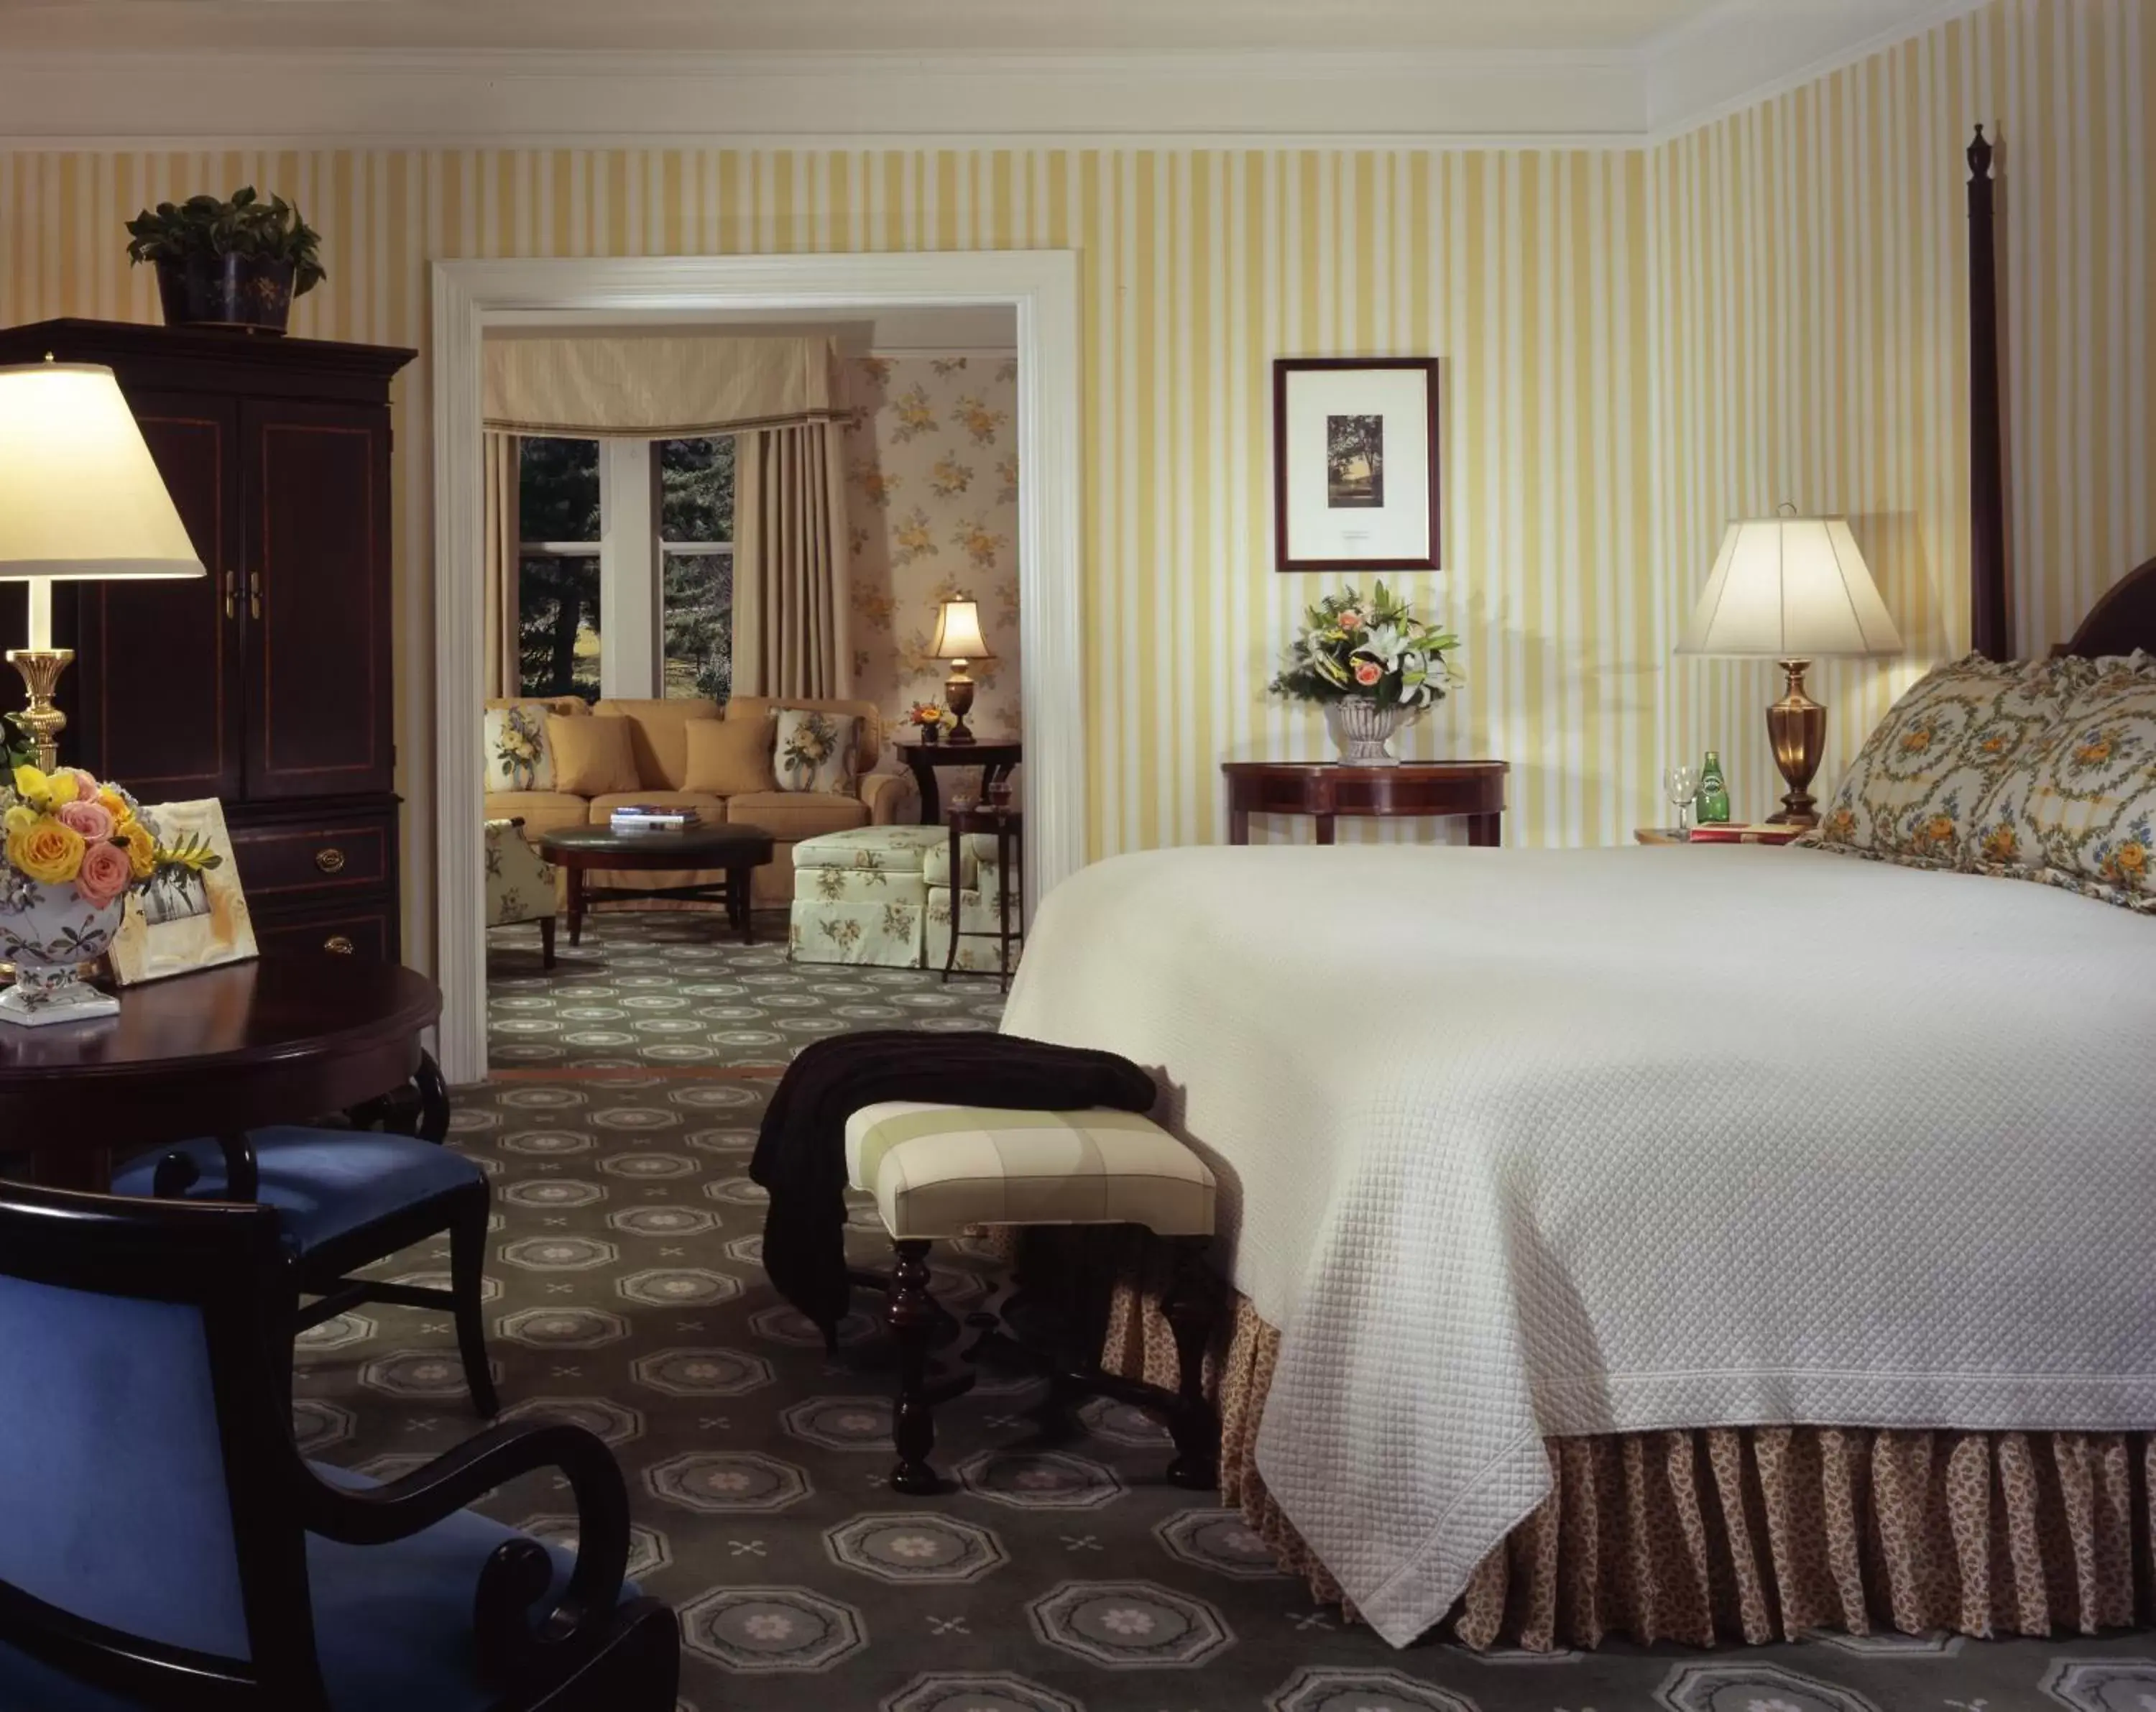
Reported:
(979, 899)
(861, 896)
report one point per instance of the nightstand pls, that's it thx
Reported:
(1774, 835)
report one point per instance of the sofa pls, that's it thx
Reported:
(659, 751)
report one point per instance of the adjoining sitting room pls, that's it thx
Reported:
(1172, 855)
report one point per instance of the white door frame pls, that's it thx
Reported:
(1042, 284)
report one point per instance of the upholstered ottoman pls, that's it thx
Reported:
(939, 1171)
(976, 899)
(861, 896)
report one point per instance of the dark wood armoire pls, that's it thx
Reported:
(266, 684)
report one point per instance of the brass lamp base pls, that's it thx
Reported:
(1797, 725)
(958, 697)
(41, 668)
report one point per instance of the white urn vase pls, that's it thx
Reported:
(48, 932)
(1363, 731)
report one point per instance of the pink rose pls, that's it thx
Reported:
(104, 875)
(85, 787)
(1351, 619)
(92, 820)
(1367, 671)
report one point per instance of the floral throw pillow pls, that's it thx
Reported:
(518, 756)
(2082, 814)
(1913, 793)
(815, 751)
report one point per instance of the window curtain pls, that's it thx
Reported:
(659, 386)
(790, 594)
(504, 664)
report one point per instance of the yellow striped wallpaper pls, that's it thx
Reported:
(1639, 343)
(1813, 335)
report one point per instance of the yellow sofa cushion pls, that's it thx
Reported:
(789, 815)
(728, 757)
(658, 734)
(593, 755)
(540, 810)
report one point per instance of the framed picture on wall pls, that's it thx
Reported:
(1355, 469)
(185, 922)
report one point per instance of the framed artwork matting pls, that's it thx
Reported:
(1355, 463)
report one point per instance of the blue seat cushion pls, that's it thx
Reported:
(324, 1183)
(392, 1623)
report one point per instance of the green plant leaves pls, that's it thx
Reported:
(244, 225)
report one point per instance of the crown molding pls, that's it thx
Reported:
(1739, 52)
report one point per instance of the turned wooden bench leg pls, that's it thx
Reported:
(910, 1314)
(1189, 1307)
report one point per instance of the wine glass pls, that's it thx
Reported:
(1680, 784)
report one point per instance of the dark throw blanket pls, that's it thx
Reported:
(800, 1149)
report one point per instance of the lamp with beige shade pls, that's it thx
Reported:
(958, 640)
(80, 499)
(1792, 589)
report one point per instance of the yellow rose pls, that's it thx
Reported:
(114, 805)
(47, 852)
(141, 849)
(32, 785)
(18, 818)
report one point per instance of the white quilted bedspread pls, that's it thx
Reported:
(1518, 1143)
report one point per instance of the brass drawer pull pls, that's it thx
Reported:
(338, 944)
(331, 860)
(255, 595)
(231, 594)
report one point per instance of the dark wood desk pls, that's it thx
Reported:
(278, 1040)
(994, 757)
(1326, 789)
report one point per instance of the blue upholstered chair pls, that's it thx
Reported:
(165, 1546)
(344, 1199)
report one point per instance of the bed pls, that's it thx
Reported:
(1577, 1291)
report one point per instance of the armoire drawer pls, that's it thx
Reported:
(324, 859)
(367, 930)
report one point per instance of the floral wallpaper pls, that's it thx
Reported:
(931, 499)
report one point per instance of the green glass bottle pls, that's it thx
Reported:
(1713, 793)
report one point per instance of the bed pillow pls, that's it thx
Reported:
(520, 755)
(1914, 792)
(2082, 812)
(728, 757)
(593, 755)
(816, 751)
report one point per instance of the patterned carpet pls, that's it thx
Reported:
(626, 1293)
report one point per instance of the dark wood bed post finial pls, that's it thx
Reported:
(1989, 631)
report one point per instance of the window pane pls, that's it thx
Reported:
(558, 624)
(696, 490)
(698, 619)
(558, 490)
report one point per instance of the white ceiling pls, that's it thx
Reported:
(910, 72)
(805, 26)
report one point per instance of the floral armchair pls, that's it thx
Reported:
(520, 884)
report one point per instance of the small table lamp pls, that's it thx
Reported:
(958, 640)
(1792, 589)
(80, 499)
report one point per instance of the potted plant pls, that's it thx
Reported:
(1371, 665)
(236, 264)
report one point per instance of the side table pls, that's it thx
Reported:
(1006, 825)
(1325, 789)
(995, 758)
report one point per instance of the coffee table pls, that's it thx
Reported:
(738, 851)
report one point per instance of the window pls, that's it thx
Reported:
(557, 596)
(695, 545)
(642, 530)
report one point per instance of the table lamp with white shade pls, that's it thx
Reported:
(1792, 590)
(81, 500)
(958, 640)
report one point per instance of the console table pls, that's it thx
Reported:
(1326, 789)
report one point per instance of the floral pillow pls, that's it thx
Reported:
(815, 751)
(1914, 793)
(518, 755)
(2082, 812)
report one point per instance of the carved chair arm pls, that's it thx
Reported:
(514, 1645)
(176, 1172)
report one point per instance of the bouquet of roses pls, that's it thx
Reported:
(928, 715)
(1375, 649)
(65, 829)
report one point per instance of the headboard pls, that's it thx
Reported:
(2123, 620)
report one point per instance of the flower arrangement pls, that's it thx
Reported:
(73, 849)
(932, 717)
(1375, 649)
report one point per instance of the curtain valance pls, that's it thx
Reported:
(665, 386)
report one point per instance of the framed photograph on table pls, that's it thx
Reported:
(1355, 470)
(186, 921)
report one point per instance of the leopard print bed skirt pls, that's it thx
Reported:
(1743, 1534)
